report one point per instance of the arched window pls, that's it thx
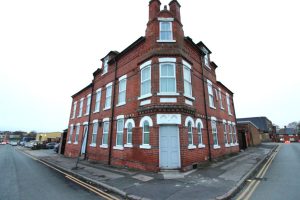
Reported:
(129, 133)
(190, 133)
(146, 133)
(145, 124)
(199, 130)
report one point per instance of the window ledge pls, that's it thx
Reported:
(96, 111)
(217, 147)
(75, 143)
(167, 94)
(201, 146)
(191, 146)
(145, 146)
(230, 114)
(190, 97)
(144, 96)
(79, 116)
(86, 114)
(103, 73)
(119, 147)
(128, 145)
(213, 107)
(121, 104)
(106, 108)
(232, 144)
(93, 145)
(105, 146)
(227, 145)
(69, 142)
(236, 144)
(162, 41)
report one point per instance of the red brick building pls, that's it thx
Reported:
(155, 105)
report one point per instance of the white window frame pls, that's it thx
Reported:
(105, 133)
(94, 134)
(214, 131)
(74, 109)
(225, 129)
(108, 96)
(200, 133)
(143, 67)
(105, 65)
(142, 125)
(210, 94)
(230, 134)
(80, 107)
(122, 80)
(129, 121)
(188, 120)
(220, 99)
(88, 104)
(170, 23)
(235, 139)
(77, 133)
(171, 61)
(206, 60)
(228, 104)
(119, 133)
(70, 134)
(98, 101)
(187, 83)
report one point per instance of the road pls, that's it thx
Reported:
(22, 178)
(282, 178)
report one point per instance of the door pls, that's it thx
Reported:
(83, 147)
(169, 148)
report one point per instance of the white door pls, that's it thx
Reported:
(169, 148)
(83, 147)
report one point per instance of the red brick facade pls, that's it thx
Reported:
(166, 85)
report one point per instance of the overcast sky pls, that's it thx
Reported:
(49, 50)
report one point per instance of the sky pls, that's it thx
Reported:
(49, 50)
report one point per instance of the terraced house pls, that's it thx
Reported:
(155, 105)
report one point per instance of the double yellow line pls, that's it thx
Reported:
(247, 193)
(76, 180)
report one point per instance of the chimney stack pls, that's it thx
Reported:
(175, 9)
(154, 9)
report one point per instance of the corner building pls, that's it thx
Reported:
(155, 105)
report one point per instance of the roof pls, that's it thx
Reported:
(90, 85)
(247, 122)
(202, 45)
(287, 131)
(218, 82)
(260, 122)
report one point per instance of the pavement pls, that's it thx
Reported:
(220, 179)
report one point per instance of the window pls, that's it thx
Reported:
(190, 133)
(230, 133)
(129, 133)
(199, 130)
(80, 108)
(215, 132)
(167, 78)
(70, 134)
(228, 103)
(105, 65)
(120, 128)
(122, 91)
(146, 133)
(225, 133)
(94, 135)
(206, 60)
(108, 96)
(77, 133)
(88, 104)
(234, 133)
(146, 81)
(98, 99)
(105, 134)
(74, 109)
(187, 80)
(210, 94)
(165, 33)
(220, 99)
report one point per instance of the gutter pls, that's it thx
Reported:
(112, 113)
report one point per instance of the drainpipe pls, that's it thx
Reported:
(206, 116)
(112, 113)
(89, 121)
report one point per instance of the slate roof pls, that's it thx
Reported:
(288, 131)
(260, 122)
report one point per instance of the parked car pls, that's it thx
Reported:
(3, 143)
(50, 145)
(13, 143)
(56, 147)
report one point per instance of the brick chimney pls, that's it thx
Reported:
(154, 9)
(175, 9)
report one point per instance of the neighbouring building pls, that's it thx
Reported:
(155, 105)
(267, 130)
(287, 134)
(48, 137)
(248, 134)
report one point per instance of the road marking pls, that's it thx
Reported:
(72, 178)
(249, 190)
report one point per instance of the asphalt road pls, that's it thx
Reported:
(22, 178)
(282, 180)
